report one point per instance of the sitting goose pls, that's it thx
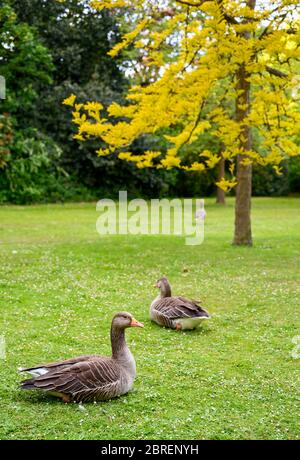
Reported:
(175, 312)
(90, 377)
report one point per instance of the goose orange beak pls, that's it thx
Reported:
(155, 285)
(135, 323)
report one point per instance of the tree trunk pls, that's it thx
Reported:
(242, 232)
(221, 173)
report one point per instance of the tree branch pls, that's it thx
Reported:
(189, 3)
(282, 18)
(230, 19)
(227, 17)
(291, 31)
(276, 72)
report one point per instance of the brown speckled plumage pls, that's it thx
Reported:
(90, 377)
(168, 311)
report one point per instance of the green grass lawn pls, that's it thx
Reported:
(235, 378)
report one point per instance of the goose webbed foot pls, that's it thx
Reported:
(66, 398)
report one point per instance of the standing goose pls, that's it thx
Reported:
(90, 377)
(175, 312)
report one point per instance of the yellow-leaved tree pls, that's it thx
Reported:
(200, 53)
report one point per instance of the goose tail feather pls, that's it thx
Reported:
(28, 385)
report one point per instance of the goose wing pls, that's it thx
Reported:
(57, 365)
(180, 307)
(94, 378)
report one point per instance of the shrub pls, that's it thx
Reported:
(32, 169)
(294, 175)
(267, 183)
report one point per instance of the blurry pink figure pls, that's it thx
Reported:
(200, 214)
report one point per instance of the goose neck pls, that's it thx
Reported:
(121, 352)
(118, 342)
(165, 291)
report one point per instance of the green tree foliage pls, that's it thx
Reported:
(25, 156)
(25, 63)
